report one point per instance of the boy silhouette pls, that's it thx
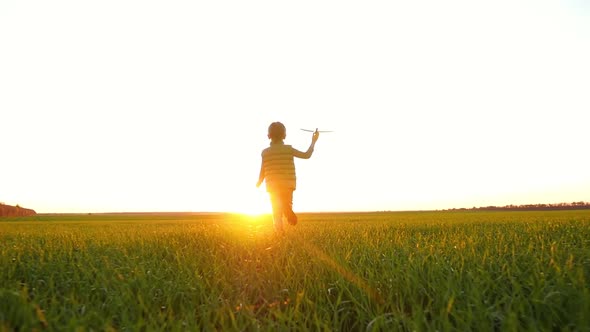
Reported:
(278, 171)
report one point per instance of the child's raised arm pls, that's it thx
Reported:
(307, 154)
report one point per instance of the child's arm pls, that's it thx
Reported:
(307, 154)
(261, 176)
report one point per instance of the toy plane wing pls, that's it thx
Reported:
(319, 131)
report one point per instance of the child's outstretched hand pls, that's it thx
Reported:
(316, 135)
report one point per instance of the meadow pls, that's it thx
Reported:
(406, 271)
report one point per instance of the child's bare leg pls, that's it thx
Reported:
(288, 208)
(277, 211)
(277, 218)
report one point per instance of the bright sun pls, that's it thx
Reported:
(254, 204)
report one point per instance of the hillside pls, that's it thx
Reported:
(15, 211)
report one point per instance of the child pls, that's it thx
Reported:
(278, 170)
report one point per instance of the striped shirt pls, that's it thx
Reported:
(279, 167)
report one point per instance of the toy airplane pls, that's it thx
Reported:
(319, 131)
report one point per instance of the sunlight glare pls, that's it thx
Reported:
(254, 204)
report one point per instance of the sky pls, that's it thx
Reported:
(114, 106)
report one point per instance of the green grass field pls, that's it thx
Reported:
(478, 271)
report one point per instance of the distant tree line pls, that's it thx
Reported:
(529, 207)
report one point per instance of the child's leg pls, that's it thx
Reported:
(288, 207)
(277, 211)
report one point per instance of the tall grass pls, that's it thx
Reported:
(484, 271)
